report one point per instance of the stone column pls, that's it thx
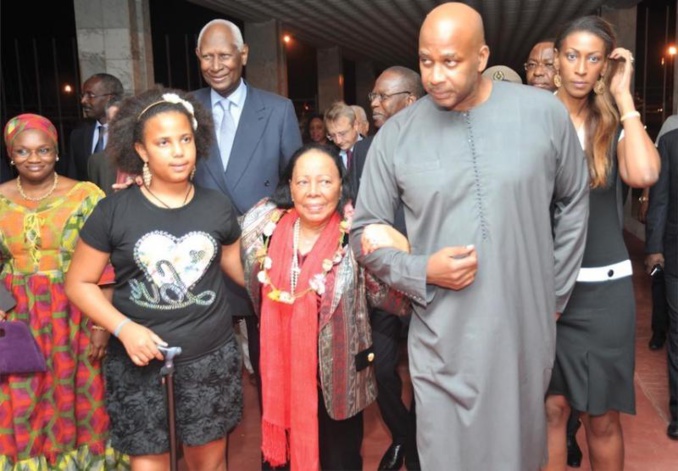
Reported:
(266, 64)
(330, 77)
(114, 36)
(364, 82)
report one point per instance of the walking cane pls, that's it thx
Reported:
(167, 373)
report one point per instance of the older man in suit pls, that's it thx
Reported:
(661, 247)
(256, 134)
(92, 135)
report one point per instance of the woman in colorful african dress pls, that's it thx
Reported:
(55, 419)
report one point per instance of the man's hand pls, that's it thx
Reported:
(127, 183)
(653, 259)
(452, 267)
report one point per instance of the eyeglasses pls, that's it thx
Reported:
(338, 135)
(23, 153)
(91, 96)
(383, 96)
(530, 66)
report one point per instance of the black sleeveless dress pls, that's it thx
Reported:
(595, 340)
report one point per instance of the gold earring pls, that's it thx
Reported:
(11, 162)
(599, 87)
(146, 175)
(557, 80)
(192, 175)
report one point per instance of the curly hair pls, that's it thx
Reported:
(127, 128)
(282, 196)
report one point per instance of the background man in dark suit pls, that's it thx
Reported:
(396, 88)
(101, 169)
(661, 247)
(91, 136)
(342, 129)
(256, 134)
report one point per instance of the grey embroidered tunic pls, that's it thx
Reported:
(509, 176)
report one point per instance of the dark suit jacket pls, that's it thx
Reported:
(102, 171)
(355, 173)
(266, 137)
(80, 148)
(661, 226)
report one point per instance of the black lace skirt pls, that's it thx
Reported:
(207, 394)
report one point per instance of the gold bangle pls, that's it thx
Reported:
(629, 115)
(98, 327)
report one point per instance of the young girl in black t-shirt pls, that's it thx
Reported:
(169, 243)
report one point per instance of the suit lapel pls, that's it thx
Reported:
(247, 136)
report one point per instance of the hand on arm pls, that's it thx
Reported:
(82, 289)
(377, 236)
(452, 267)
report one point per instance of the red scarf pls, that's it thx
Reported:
(289, 351)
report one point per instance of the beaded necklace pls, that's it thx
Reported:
(39, 198)
(316, 282)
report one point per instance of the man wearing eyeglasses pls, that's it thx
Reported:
(539, 67)
(342, 129)
(395, 89)
(91, 136)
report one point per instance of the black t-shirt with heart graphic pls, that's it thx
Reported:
(167, 266)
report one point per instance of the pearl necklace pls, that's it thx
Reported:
(39, 198)
(165, 204)
(295, 269)
(316, 282)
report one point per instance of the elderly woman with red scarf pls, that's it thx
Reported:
(312, 299)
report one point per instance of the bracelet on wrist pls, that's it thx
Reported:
(629, 115)
(119, 327)
(98, 327)
(644, 199)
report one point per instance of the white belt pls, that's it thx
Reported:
(610, 272)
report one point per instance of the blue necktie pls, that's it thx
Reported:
(226, 132)
(100, 142)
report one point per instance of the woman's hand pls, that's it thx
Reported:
(141, 343)
(97, 346)
(622, 69)
(378, 236)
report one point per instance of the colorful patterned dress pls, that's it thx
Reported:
(57, 419)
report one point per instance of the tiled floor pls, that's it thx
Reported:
(647, 446)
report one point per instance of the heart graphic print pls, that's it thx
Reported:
(170, 261)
